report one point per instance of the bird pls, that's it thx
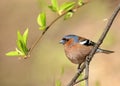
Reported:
(77, 48)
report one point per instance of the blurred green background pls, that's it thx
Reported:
(48, 58)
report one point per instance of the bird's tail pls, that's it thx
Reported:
(104, 51)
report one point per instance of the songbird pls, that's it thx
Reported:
(77, 48)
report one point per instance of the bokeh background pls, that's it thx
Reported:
(47, 60)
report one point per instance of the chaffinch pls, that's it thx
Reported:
(77, 48)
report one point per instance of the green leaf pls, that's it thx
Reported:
(20, 53)
(42, 28)
(19, 36)
(54, 3)
(20, 41)
(58, 83)
(81, 77)
(97, 83)
(41, 19)
(66, 6)
(25, 36)
(54, 6)
(68, 15)
(12, 53)
(62, 70)
(22, 49)
(80, 2)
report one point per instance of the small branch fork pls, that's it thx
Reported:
(90, 56)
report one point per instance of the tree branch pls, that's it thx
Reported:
(80, 80)
(99, 42)
(87, 72)
(73, 81)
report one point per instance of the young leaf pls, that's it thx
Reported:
(58, 83)
(20, 53)
(19, 36)
(54, 3)
(97, 83)
(12, 53)
(41, 19)
(25, 36)
(62, 70)
(81, 77)
(42, 28)
(22, 49)
(54, 7)
(80, 2)
(68, 15)
(66, 6)
(20, 41)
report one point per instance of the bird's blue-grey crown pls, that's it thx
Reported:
(67, 37)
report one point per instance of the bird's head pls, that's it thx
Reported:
(67, 38)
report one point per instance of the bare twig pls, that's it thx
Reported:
(43, 33)
(40, 37)
(80, 80)
(99, 42)
(87, 72)
(73, 81)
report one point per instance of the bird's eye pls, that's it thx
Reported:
(65, 39)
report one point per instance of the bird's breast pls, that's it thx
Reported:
(77, 53)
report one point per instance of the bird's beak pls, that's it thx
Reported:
(61, 41)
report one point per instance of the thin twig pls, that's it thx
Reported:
(43, 33)
(71, 83)
(106, 29)
(87, 72)
(99, 42)
(80, 80)
(40, 37)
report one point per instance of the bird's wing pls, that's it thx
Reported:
(87, 42)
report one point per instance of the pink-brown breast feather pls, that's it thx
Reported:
(76, 52)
